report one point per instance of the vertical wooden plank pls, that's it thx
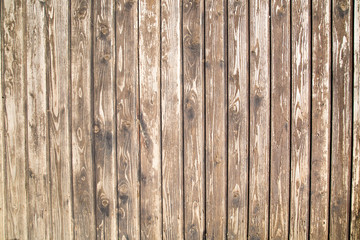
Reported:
(280, 119)
(150, 123)
(39, 180)
(14, 97)
(58, 97)
(259, 119)
(194, 177)
(300, 120)
(104, 120)
(238, 119)
(126, 112)
(320, 114)
(216, 119)
(341, 118)
(2, 139)
(355, 206)
(171, 105)
(81, 114)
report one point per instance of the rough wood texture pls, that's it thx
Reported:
(259, 120)
(216, 119)
(238, 118)
(171, 105)
(14, 97)
(280, 119)
(127, 107)
(104, 120)
(150, 123)
(300, 120)
(58, 117)
(320, 117)
(39, 201)
(2, 147)
(81, 116)
(194, 174)
(355, 201)
(341, 119)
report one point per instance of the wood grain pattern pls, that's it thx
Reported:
(81, 117)
(259, 119)
(194, 92)
(280, 119)
(127, 108)
(238, 118)
(355, 201)
(59, 136)
(104, 120)
(216, 119)
(39, 202)
(341, 118)
(150, 119)
(171, 105)
(320, 117)
(14, 98)
(2, 141)
(300, 130)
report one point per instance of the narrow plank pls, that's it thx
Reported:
(172, 137)
(280, 119)
(104, 120)
(238, 119)
(259, 119)
(14, 98)
(58, 97)
(2, 141)
(127, 95)
(216, 119)
(300, 119)
(150, 122)
(81, 112)
(194, 166)
(341, 119)
(321, 114)
(355, 201)
(39, 219)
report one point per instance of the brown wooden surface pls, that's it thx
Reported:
(341, 119)
(194, 119)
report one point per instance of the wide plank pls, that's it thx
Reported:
(238, 118)
(320, 117)
(81, 121)
(341, 119)
(280, 119)
(171, 119)
(150, 119)
(259, 119)
(14, 97)
(194, 131)
(355, 201)
(127, 109)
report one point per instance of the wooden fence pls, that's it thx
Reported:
(193, 119)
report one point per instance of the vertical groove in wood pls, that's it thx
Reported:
(355, 206)
(38, 172)
(14, 97)
(300, 132)
(341, 119)
(259, 120)
(194, 179)
(104, 124)
(321, 114)
(216, 105)
(150, 119)
(238, 116)
(280, 119)
(58, 90)
(127, 106)
(171, 104)
(84, 215)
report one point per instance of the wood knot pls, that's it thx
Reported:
(96, 129)
(81, 12)
(104, 29)
(106, 57)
